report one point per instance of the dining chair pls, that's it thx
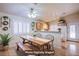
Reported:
(39, 35)
(50, 37)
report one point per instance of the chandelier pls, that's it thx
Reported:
(32, 13)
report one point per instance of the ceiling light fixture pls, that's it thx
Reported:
(32, 13)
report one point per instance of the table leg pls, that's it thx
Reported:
(23, 41)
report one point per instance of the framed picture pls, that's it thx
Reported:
(5, 23)
(5, 28)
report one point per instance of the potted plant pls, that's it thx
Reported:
(5, 39)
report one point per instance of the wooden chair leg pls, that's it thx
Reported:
(23, 41)
(17, 47)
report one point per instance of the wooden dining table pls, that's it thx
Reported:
(40, 42)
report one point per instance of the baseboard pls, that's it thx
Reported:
(73, 41)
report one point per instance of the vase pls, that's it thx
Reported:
(3, 48)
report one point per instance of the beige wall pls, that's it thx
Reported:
(72, 18)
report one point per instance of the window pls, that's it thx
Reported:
(72, 31)
(20, 27)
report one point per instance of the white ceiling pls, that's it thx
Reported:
(48, 10)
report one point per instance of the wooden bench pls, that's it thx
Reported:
(25, 48)
(29, 50)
